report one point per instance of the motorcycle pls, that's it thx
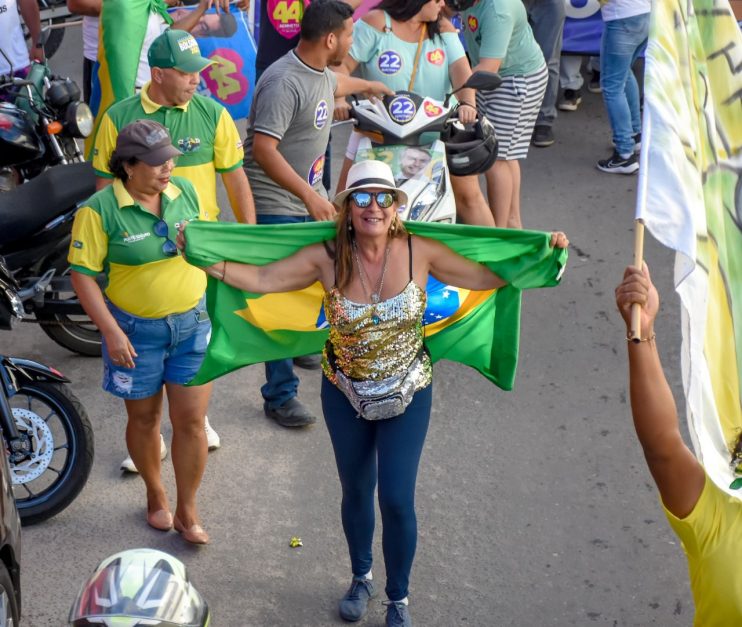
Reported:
(47, 434)
(37, 222)
(41, 127)
(38, 146)
(392, 128)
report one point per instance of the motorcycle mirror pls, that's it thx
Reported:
(45, 34)
(484, 80)
(44, 38)
(479, 80)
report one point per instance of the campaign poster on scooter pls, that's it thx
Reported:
(226, 39)
(408, 163)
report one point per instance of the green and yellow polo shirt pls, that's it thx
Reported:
(115, 235)
(201, 129)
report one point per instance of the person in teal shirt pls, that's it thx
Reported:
(385, 44)
(499, 39)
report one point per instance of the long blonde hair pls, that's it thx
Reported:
(344, 238)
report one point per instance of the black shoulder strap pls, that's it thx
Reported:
(409, 248)
(331, 254)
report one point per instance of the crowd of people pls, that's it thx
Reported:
(158, 148)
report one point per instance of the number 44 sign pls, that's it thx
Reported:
(285, 16)
(231, 79)
(225, 79)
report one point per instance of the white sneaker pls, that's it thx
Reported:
(128, 464)
(212, 437)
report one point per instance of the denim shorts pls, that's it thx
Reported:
(169, 350)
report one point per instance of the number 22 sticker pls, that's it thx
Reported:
(389, 62)
(402, 109)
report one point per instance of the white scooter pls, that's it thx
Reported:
(391, 129)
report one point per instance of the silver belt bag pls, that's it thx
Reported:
(379, 400)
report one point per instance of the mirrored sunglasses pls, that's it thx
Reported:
(161, 229)
(383, 199)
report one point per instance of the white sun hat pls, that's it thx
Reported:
(370, 174)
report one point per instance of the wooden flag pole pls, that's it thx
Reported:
(636, 309)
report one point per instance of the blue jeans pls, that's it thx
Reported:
(169, 350)
(281, 383)
(622, 42)
(547, 21)
(387, 452)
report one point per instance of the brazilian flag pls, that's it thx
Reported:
(479, 329)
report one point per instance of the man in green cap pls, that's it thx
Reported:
(199, 127)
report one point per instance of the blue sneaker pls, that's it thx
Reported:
(397, 614)
(354, 604)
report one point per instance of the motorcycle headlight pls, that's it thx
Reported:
(424, 201)
(79, 119)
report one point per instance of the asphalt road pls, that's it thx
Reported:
(534, 506)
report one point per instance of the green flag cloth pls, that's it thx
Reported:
(123, 26)
(479, 329)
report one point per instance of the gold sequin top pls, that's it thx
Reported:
(373, 342)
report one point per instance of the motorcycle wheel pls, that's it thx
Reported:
(9, 616)
(75, 333)
(60, 438)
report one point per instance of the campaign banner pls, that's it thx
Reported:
(226, 39)
(690, 198)
(583, 27)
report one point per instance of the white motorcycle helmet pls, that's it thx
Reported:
(139, 587)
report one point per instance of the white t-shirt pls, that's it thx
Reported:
(11, 38)
(621, 9)
(89, 37)
(156, 25)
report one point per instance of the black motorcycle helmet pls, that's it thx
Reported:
(470, 148)
(139, 587)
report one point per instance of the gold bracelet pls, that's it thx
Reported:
(636, 340)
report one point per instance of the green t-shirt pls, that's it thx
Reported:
(112, 233)
(499, 29)
(202, 130)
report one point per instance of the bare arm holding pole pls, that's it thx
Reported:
(676, 471)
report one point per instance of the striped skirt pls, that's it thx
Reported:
(513, 108)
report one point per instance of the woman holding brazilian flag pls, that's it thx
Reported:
(369, 272)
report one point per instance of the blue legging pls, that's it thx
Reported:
(390, 451)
